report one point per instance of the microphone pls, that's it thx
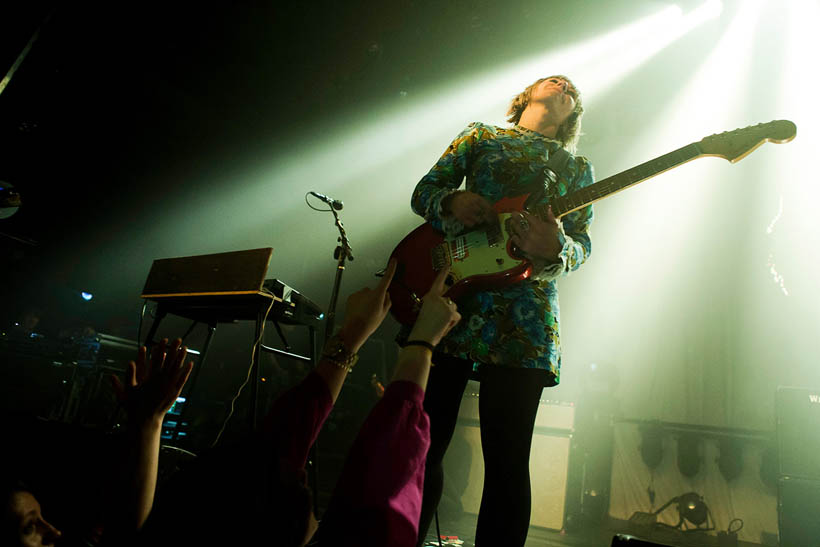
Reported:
(335, 203)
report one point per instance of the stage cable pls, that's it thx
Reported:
(139, 328)
(248, 376)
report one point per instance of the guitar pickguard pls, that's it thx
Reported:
(482, 252)
(479, 260)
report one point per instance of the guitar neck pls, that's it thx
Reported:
(573, 201)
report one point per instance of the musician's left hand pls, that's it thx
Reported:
(537, 238)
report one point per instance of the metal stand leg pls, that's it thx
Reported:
(149, 338)
(252, 413)
(313, 455)
(342, 253)
(192, 380)
(149, 341)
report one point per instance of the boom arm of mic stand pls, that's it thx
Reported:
(341, 254)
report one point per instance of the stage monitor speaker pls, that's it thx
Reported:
(797, 503)
(798, 431)
(549, 459)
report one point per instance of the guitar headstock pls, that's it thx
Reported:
(736, 145)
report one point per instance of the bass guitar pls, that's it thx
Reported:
(485, 258)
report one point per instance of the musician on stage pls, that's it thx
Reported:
(508, 338)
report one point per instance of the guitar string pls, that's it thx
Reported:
(595, 191)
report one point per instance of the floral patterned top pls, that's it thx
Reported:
(518, 325)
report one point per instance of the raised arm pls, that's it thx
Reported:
(364, 312)
(377, 500)
(437, 316)
(152, 385)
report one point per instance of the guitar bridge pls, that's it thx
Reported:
(440, 256)
(494, 234)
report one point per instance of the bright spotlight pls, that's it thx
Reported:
(86, 296)
(636, 48)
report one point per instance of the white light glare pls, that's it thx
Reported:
(776, 277)
(450, 108)
(710, 10)
(779, 214)
(86, 296)
(635, 48)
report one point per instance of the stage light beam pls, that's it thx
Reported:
(391, 137)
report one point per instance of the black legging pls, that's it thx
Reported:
(508, 403)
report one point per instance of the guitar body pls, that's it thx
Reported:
(479, 260)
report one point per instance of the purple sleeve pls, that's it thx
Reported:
(381, 485)
(297, 416)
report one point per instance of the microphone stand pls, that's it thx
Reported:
(342, 253)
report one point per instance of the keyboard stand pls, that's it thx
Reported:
(227, 308)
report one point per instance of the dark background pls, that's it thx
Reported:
(119, 115)
(117, 111)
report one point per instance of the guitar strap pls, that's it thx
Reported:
(555, 164)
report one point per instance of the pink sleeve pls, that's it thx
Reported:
(381, 485)
(298, 416)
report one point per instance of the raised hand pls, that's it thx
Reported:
(366, 309)
(438, 313)
(152, 385)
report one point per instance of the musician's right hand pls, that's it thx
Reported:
(438, 313)
(468, 208)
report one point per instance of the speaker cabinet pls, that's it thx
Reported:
(798, 500)
(798, 431)
(549, 459)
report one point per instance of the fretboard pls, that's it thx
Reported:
(610, 185)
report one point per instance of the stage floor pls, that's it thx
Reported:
(464, 530)
(592, 536)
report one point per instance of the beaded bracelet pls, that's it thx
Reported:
(337, 353)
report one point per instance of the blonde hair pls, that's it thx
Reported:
(570, 131)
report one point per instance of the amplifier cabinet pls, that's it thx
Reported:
(798, 431)
(553, 415)
(797, 504)
(550, 443)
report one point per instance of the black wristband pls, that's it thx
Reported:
(421, 343)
